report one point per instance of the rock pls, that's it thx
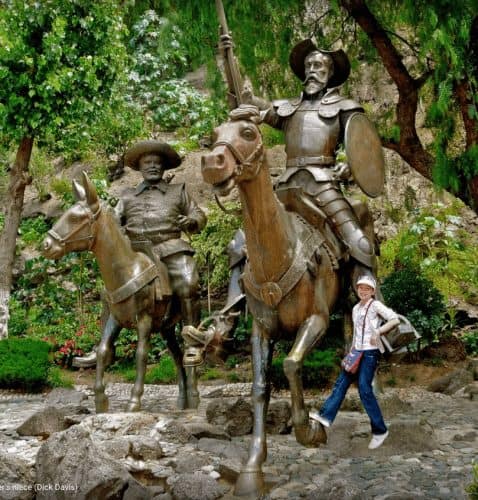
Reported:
(235, 417)
(189, 462)
(471, 390)
(171, 430)
(45, 422)
(448, 349)
(71, 461)
(278, 418)
(196, 486)
(222, 449)
(16, 478)
(145, 448)
(65, 397)
(118, 448)
(203, 429)
(452, 382)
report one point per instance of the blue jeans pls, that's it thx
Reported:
(365, 375)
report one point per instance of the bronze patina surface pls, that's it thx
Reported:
(291, 279)
(151, 281)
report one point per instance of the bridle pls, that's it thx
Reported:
(89, 221)
(245, 166)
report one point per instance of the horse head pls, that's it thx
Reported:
(74, 230)
(237, 151)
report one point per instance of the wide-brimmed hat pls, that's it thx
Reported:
(367, 280)
(171, 159)
(339, 57)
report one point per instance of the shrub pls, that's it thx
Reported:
(24, 364)
(470, 341)
(472, 488)
(409, 293)
(162, 373)
(211, 244)
(57, 378)
(319, 367)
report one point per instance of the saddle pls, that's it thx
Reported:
(296, 200)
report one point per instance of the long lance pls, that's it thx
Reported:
(231, 66)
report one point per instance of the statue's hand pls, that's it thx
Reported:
(225, 42)
(185, 223)
(342, 172)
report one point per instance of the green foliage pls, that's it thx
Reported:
(470, 341)
(163, 372)
(178, 105)
(472, 488)
(24, 364)
(211, 244)
(33, 230)
(58, 63)
(58, 303)
(436, 244)
(318, 370)
(58, 378)
(409, 293)
(210, 373)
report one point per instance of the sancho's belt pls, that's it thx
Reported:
(304, 161)
(160, 238)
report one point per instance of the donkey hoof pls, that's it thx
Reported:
(192, 401)
(250, 484)
(134, 406)
(101, 404)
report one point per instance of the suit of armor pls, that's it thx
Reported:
(314, 128)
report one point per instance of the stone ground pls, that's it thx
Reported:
(433, 442)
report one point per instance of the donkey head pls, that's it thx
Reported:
(75, 229)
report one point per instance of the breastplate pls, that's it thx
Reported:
(308, 134)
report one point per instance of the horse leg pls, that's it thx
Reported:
(104, 357)
(251, 479)
(308, 432)
(144, 331)
(177, 355)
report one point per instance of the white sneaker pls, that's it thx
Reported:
(377, 440)
(315, 415)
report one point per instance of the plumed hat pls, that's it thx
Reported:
(171, 159)
(339, 57)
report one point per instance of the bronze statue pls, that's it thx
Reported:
(315, 125)
(140, 289)
(154, 214)
(291, 278)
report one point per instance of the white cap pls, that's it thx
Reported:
(367, 280)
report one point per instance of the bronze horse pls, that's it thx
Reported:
(134, 299)
(291, 280)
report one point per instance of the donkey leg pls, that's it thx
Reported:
(307, 431)
(104, 357)
(144, 332)
(251, 479)
(177, 355)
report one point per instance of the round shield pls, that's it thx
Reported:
(364, 154)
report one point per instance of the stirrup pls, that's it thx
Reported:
(193, 356)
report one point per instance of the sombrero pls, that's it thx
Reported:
(171, 159)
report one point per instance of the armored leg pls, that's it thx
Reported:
(340, 213)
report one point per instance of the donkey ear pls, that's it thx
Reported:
(78, 191)
(91, 194)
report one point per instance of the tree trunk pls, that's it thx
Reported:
(19, 178)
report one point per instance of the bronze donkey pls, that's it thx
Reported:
(291, 280)
(134, 299)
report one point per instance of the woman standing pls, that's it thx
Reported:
(366, 316)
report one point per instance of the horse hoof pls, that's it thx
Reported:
(311, 435)
(101, 404)
(250, 484)
(133, 406)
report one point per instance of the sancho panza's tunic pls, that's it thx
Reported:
(150, 212)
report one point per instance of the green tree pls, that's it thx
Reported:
(59, 62)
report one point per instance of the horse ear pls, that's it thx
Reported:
(91, 194)
(78, 191)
